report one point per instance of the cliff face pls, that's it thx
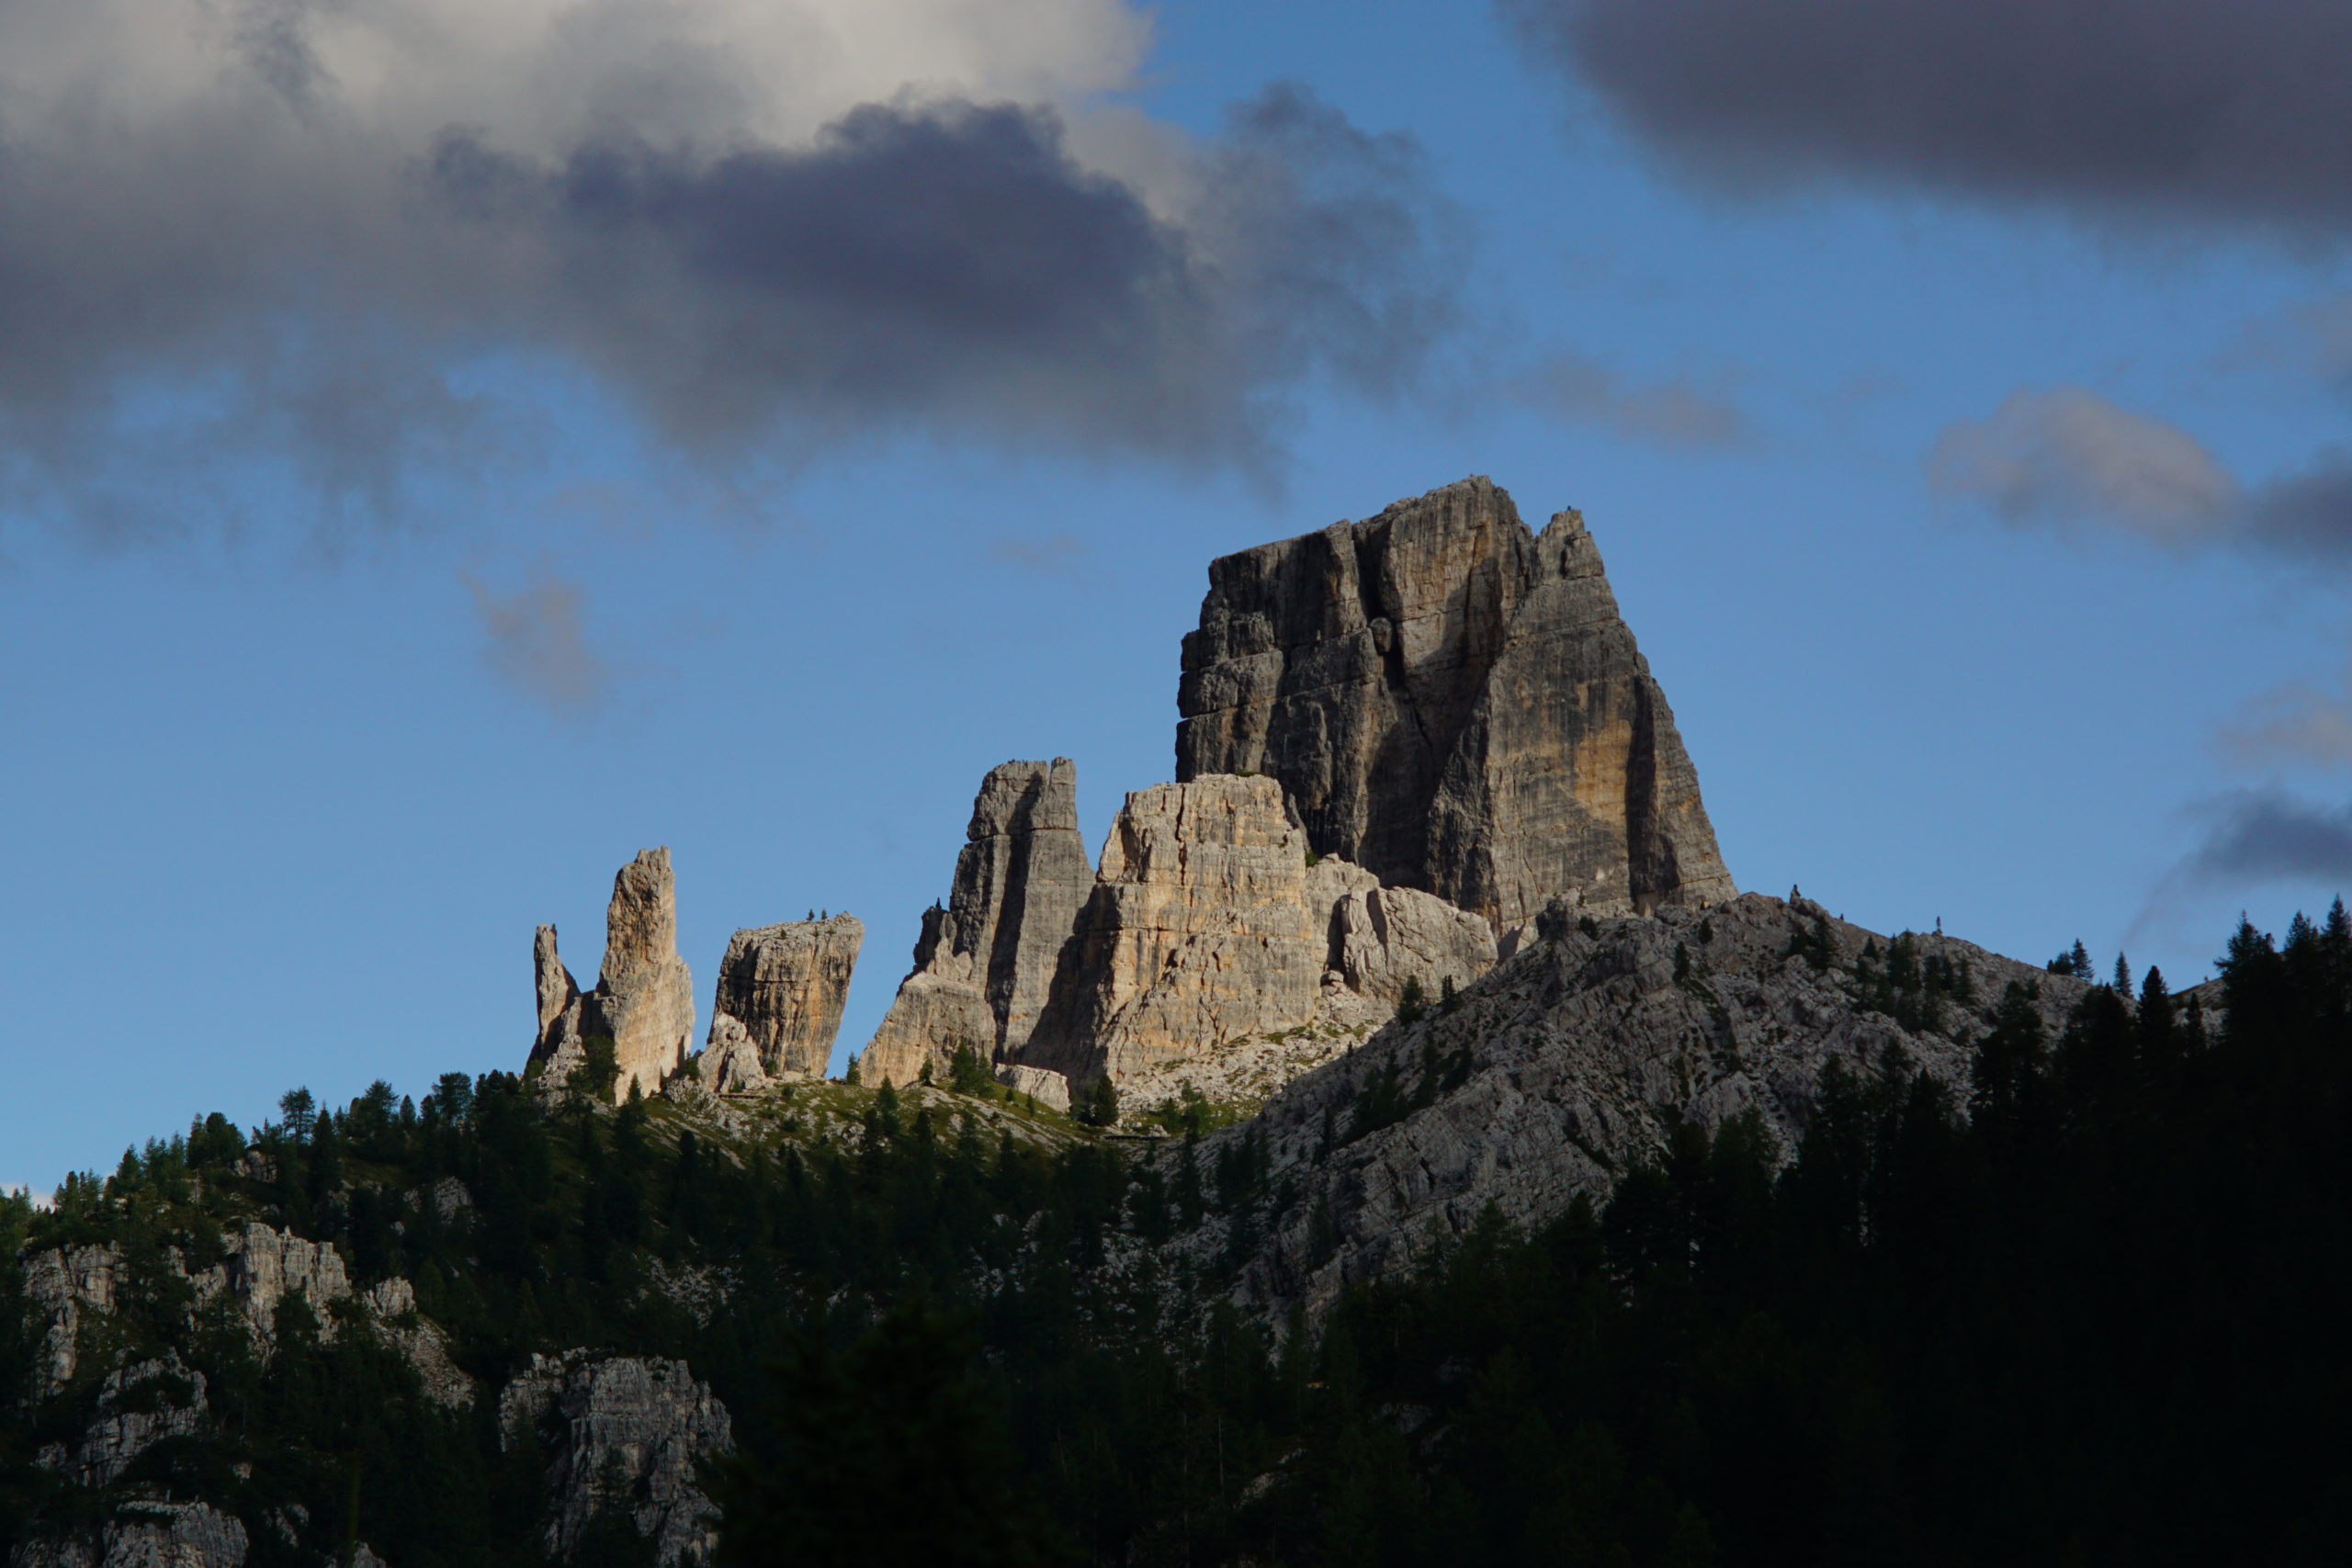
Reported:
(1208, 924)
(644, 999)
(785, 985)
(1453, 704)
(647, 1422)
(645, 995)
(985, 962)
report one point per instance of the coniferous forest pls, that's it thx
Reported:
(2085, 1308)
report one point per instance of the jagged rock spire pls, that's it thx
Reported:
(985, 961)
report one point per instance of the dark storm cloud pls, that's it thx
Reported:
(2210, 109)
(2267, 835)
(267, 296)
(2306, 514)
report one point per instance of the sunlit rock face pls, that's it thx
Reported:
(1453, 703)
(645, 995)
(783, 986)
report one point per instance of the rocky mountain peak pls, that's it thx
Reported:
(1453, 703)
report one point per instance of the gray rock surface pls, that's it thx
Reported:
(557, 1049)
(147, 1535)
(785, 986)
(139, 1406)
(1047, 1088)
(730, 1062)
(1453, 704)
(260, 1267)
(645, 995)
(66, 1285)
(1198, 931)
(644, 1422)
(985, 963)
(1386, 937)
(1566, 1063)
(265, 1266)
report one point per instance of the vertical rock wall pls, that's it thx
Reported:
(785, 986)
(1454, 703)
(985, 963)
(645, 995)
(1200, 929)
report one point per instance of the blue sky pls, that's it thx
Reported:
(305, 733)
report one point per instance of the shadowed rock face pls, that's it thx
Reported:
(645, 995)
(563, 1009)
(785, 986)
(985, 963)
(647, 1418)
(1453, 704)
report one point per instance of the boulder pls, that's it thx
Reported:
(730, 1062)
(782, 987)
(1047, 1088)
(1454, 703)
(1386, 937)
(985, 963)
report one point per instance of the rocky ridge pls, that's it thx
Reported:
(1566, 1064)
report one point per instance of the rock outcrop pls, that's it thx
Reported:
(785, 986)
(644, 999)
(557, 1048)
(644, 1423)
(1454, 703)
(1387, 941)
(260, 1267)
(985, 963)
(139, 1406)
(1567, 1063)
(1206, 924)
(730, 1062)
(147, 1535)
(645, 995)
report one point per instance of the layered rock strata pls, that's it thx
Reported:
(783, 988)
(646, 1420)
(1208, 923)
(644, 999)
(985, 963)
(1454, 703)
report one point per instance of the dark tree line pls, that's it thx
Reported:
(2084, 1308)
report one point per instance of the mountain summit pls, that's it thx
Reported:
(1453, 703)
